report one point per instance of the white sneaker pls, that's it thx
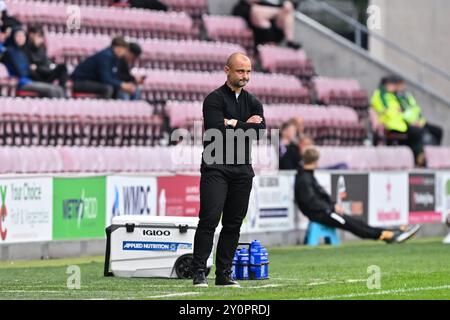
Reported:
(447, 239)
(409, 233)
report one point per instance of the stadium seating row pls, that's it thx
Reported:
(188, 158)
(331, 125)
(156, 53)
(194, 86)
(367, 158)
(105, 20)
(89, 122)
(111, 159)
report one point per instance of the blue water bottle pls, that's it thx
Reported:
(235, 265)
(264, 263)
(243, 262)
(255, 260)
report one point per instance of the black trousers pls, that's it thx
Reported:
(224, 191)
(414, 139)
(148, 4)
(49, 75)
(435, 131)
(348, 223)
(104, 90)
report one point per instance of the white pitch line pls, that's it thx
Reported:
(263, 286)
(174, 295)
(26, 291)
(377, 293)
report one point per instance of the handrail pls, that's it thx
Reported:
(359, 28)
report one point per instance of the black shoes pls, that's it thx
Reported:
(200, 278)
(226, 280)
(294, 45)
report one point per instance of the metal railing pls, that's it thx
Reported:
(359, 29)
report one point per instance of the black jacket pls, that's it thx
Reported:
(291, 158)
(37, 56)
(310, 197)
(123, 71)
(221, 104)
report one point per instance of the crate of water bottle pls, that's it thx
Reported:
(251, 262)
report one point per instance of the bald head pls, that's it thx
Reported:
(238, 68)
(237, 57)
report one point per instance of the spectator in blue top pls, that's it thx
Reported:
(3, 37)
(18, 66)
(98, 74)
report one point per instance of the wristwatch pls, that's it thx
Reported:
(229, 123)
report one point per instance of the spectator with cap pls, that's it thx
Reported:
(98, 74)
(389, 110)
(17, 63)
(42, 68)
(132, 54)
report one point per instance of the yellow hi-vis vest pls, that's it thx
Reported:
(389, 110)
(412, 112)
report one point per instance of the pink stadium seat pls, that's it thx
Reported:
(367, 158)
(340, 91)
(437, 157)
(278, 59)
(229, 29)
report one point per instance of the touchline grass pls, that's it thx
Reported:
(418, 269)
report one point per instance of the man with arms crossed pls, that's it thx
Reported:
(229, 113)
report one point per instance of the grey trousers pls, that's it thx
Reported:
(45, 89)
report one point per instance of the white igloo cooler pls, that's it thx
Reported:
(151, 246)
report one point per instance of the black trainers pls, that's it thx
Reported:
(200, 278)
(225, 279)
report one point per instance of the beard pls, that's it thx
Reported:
(241, 83)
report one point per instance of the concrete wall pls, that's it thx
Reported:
(421, 27)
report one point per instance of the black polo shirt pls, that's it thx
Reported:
(222, 104)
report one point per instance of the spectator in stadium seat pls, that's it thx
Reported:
(5, 19)
(98, 74)
(389, 110)
(271, 20)
(144, 4)
(42, 68)
(17, 63)
(133, 53)
(412, 113)
(3, 36)
(289, 151)
(317, 205)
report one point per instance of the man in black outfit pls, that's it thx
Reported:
(232, 119)
(317, 205)
(42, 68)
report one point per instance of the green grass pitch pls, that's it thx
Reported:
(419, 269)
